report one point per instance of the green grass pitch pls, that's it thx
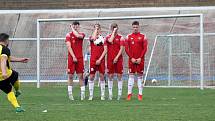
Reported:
(159, 104)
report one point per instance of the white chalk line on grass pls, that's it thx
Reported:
(93, 104)
(61, 107)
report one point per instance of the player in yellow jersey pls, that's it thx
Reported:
(9, 77)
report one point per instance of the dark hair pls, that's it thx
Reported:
(75, 23)
(4, 37)
(97, 24)
(114, 25)
(135, 23)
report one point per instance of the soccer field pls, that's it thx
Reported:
(159, 104)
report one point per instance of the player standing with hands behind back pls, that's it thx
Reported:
(136, 47)
(74, 42)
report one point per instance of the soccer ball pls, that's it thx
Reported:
(99, 41)
(154, 81)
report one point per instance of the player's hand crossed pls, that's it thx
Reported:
(138, 61)
(133, 60)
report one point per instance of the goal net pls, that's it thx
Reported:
(175, 61)
(174, 54)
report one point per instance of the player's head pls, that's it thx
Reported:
(76, 25)
(98, 27)
(135, 26)
(4, 38)
(113, 25)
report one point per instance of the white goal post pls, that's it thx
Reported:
(201, 34)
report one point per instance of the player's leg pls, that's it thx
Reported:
(70, 71)
(7, 88)
(102, 85)
(12, 98)
(119, 71)
(130, 80)
(140, 69)
(110, 85)
(91, 85)
(80, 70)
(130, 85)
(91, 79)
(70, 86)
(15, 82)
(82, 85)
(120, 83)
(140, 87)
(17, 88)
(102, 79)
(110, 67)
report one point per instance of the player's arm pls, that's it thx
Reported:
(127, 47)
(120, 51)
(16, 59)
(110, 40)
(102, 56)
(104, 53)
(78, 35)
(145, 47)
(4, 66)
(127, 50)
(117, 56)
(68, 44)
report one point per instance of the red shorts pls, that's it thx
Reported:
(115, 68)
(75, 67)
(94, 67)
(136, 68)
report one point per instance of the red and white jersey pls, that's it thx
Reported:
(136, 45)
(76, 44)
(96, 50)
(114, 47)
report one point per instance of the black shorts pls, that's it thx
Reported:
(6, 85)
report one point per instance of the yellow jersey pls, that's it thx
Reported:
(5, 51)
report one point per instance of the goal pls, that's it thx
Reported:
(174, 57)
